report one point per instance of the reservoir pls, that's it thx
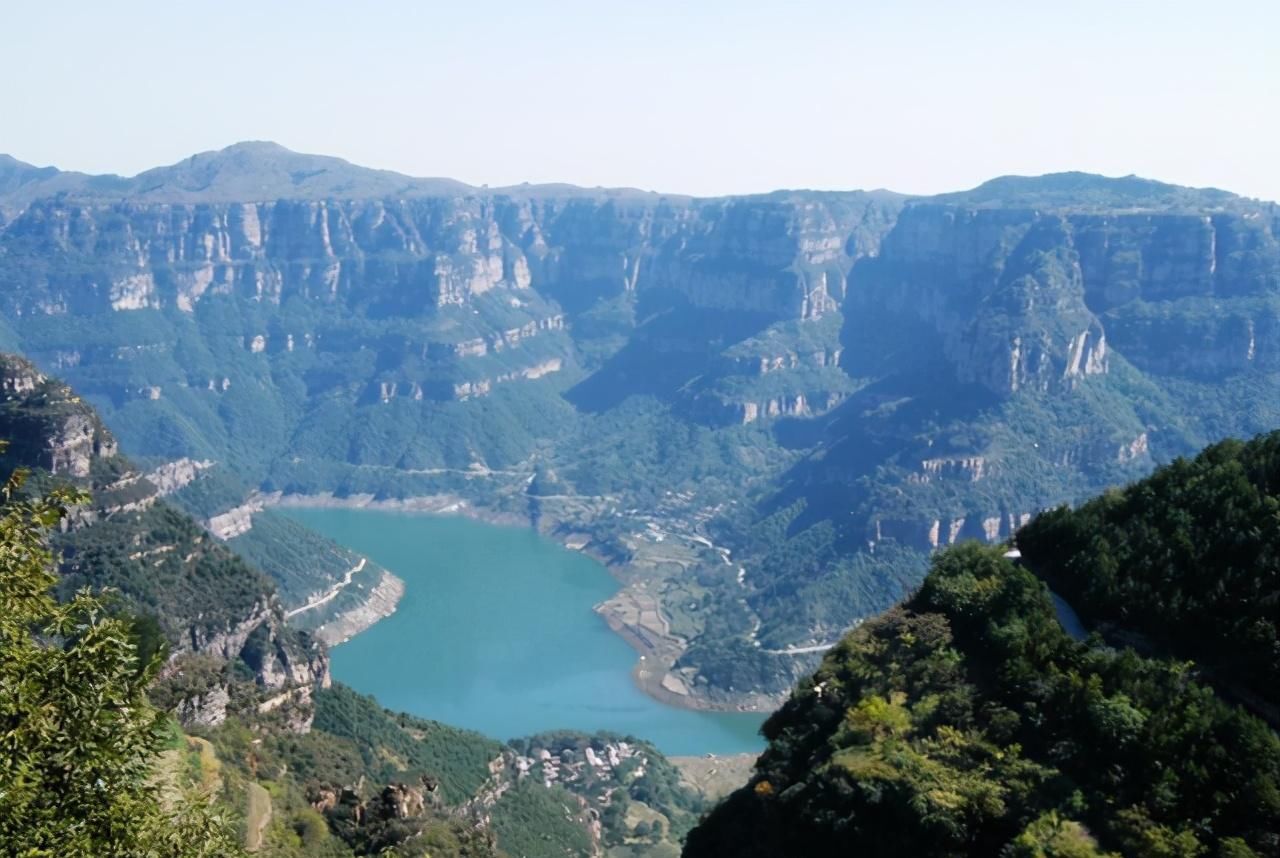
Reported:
(496, 633)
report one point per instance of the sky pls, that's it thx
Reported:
(702, 96)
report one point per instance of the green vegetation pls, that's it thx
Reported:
(166, 566)
(967, 722)
(300, 561)
(79, 738)
(1185, 562)
(395, 746)
(362, 781)
(357, 751)
(534, 822)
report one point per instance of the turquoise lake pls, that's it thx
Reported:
(496, 633)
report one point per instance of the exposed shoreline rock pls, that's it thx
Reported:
(382, 601)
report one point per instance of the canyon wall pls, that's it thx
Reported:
(826, 376)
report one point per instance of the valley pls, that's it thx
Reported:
(648, 430)
(366, 412)
(763, 412)
(243, 730)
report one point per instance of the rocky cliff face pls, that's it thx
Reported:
(1013, 357)
(826, 375)
(785, 258)
(196, 319)
(1028, 298)
(208, 603)
(46, 426)
(1024, 306)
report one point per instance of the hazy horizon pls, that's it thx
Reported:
(921, 98)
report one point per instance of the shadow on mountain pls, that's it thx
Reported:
(674, 346)
(876, 425)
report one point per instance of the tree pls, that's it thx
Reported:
(78, 738)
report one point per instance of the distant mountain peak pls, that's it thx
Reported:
(257, 146)
(264, 150)
(1080, 191)
(258, 170)
(14, 173)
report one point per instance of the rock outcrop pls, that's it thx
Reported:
(173, 476)
(46, 425)
(211, 606)
(1029, 299)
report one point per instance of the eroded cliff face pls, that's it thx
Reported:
(380, 332)
(787, 258)
(1023, 313)
(1000, 294)
(1008, 358)
(208, 604)
(45, 425)
(1020, 299)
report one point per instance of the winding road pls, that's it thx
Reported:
(330, 594)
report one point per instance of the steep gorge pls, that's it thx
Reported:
(799, 394)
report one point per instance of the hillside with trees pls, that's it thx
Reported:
(1186, 562)
(966, 721)
(154, 701)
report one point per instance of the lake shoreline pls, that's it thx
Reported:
(653, 683)
(508, 613)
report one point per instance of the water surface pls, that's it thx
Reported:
(496, 633)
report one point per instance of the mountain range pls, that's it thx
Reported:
(767, 412)
(767, 409)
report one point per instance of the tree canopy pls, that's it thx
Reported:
(79, 740)
(967, 722)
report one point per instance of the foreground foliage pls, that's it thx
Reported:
(78, 739)
(1186, 562)
(967, 722)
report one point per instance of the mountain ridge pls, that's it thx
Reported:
(855, 379)
(262, 170)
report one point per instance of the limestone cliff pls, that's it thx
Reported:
(206, 602)
(1021, 307)
(819, 378)
(46, 426)
(1020, 298)
(785, 257)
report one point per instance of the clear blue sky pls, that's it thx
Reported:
(702, 97)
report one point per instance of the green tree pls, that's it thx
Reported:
(1051, 836)
(78, 738)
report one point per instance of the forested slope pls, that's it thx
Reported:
(967, 722)
(1186, 562)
